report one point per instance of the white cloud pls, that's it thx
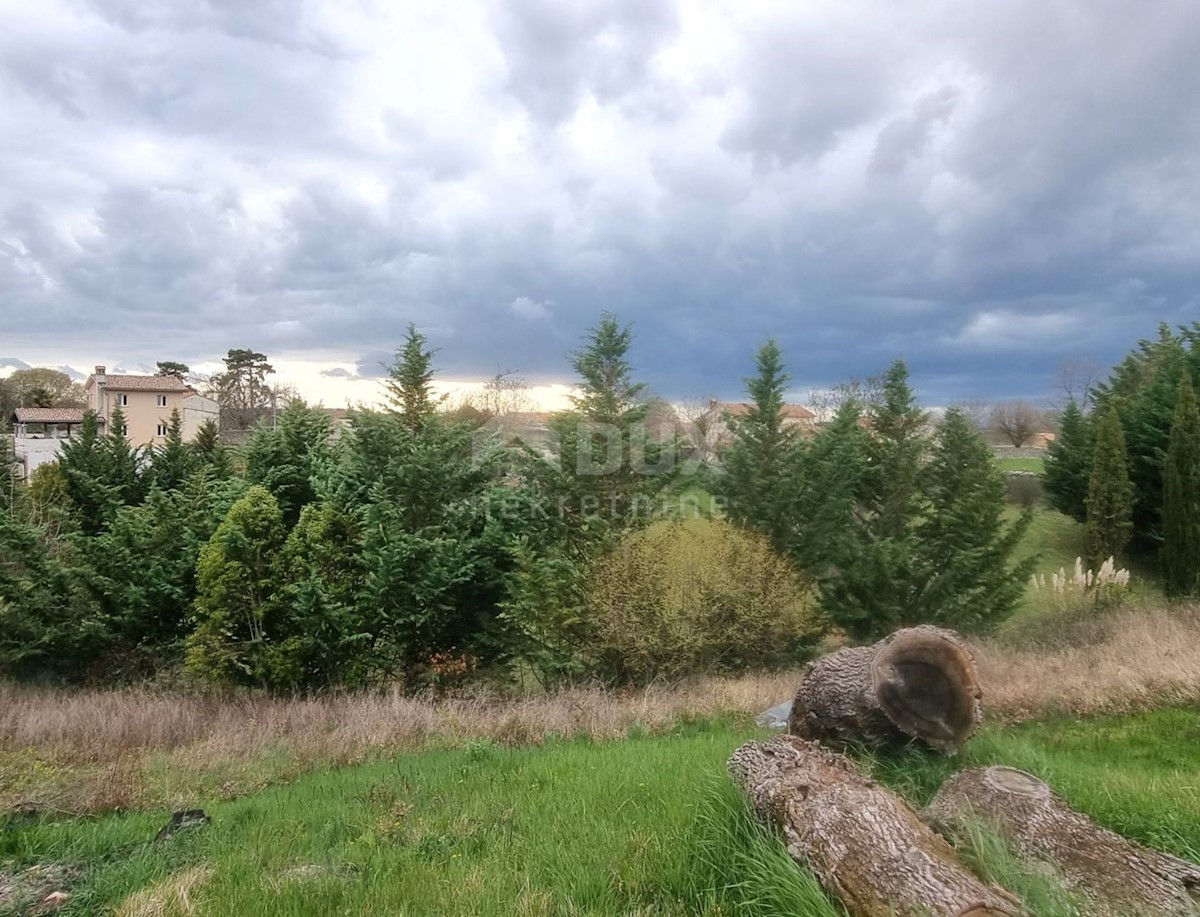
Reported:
(177, 179)
(530, 309)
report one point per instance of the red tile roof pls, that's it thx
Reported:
(129, 383)
(790, 411)
(49, 415)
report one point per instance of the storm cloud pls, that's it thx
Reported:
(982, 189)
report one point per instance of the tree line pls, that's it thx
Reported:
(1129, 466)
(419, 546)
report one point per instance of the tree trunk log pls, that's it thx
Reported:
(865, 845)
(919, 683)
(1116, 876)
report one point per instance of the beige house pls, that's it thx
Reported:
(147, 403)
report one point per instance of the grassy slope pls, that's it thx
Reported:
(1017, 463)
(646, 825)
(1057, 540)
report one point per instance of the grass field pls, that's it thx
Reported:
(646, 825)
(1017, 463)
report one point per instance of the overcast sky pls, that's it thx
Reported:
(982, 188)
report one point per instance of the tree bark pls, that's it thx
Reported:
(863, 842)
(1116, 876)
(919, 683)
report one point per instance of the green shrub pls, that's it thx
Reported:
(696, 596)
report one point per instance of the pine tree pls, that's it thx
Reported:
(1110, 494)
(758, 483)
(1180, 550)
(967, 578)
(410, 381)
(1068, 464)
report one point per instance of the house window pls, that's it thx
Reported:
(124, 429)
(162, 401)
(162, 429)
(123, 400)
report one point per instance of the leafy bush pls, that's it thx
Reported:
(700, 595)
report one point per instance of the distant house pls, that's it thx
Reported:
(39, 434)
(147, 403)
(795, 417)
(529, 428)
(198, 410)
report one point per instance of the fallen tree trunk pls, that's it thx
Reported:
(919, 683)
(1115, 875)
(863, 842)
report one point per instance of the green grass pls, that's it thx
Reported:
(1016, 463)
(648, 825)
(1056, 540)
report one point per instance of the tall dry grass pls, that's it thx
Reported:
(81, 751)
(1115, 663)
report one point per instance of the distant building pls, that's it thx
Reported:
(795, 417)
(196, 411)
(39, 434)
(147, 403)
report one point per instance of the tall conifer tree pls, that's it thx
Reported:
(1180, 551)
(410, 381)
(1068, 464)
(967, 578)
(758, 480)
(1110, 495)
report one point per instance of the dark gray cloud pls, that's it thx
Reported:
(981, 191)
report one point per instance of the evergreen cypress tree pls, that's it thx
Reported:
(758, 482)
(9, 478)
(1110, 494)
(1143, 390)
(967, 579)
(210, 452)
(410, 381)
(173, 461)
(608, 393)
(82, 460)
(1068, 464)
(609, 466)
(881, 587)
(1180, 550)
(826, 537)
(236, 586)
(897, 449)
(286, 459)
(121, 463)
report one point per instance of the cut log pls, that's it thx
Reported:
(1113, 874)
(867, 847)
(920, 684)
